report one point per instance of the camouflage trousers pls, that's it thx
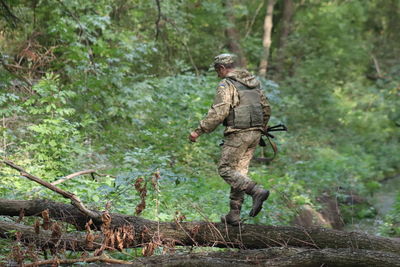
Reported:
(237, 151)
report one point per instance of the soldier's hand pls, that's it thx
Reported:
(193, 136)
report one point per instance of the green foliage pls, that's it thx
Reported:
(54, 133)
(116, 92)
(391, 225)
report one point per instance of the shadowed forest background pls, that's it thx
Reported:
(117, 86)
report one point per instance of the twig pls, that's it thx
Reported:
(74, 199)
(72, 175)
(377, 68)
(14, 19)
(6, 67)
(68, 177)
(71, 261)
(254, 19)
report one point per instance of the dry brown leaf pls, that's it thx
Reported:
(195, 230)
(140, 207)
(56, 231)
(21, 215)
(138, 184)
(87, 226)
(111, 240)
(106, 218)
(46, 219)
(18, 236)
(179, 217)
(154, 180)
(89, 240)
(148, 250)
(37, 226)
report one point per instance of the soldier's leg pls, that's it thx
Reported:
(236, 200)
(244, 162)
(232, 152)
(258, 193)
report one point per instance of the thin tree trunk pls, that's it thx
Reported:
(267, 40)
(234, 36)
(288, 11)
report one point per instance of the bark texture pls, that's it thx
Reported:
(282, 257)
(267, 40)
(246, 236)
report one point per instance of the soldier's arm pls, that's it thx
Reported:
(218, 111)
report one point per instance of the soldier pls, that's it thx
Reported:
(244, 110)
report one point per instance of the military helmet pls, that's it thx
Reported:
(225, 59)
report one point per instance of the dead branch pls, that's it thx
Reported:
(102, 258)
(73, 175)
(70, 176)
(250, 26)
(74, 199)
(7, 68)
(377, 68)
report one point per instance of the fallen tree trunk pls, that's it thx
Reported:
(210, 234)
(276, 257)
(47, 238)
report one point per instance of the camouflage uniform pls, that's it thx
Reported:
(239, 144)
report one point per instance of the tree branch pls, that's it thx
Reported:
(8, 13)
(253, 19)
(56, 262)
(73, 175)
(74, 199)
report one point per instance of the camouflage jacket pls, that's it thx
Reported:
(226, 98)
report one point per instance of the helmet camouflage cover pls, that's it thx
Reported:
(225, 59)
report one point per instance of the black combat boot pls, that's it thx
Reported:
(233, 216)
(259, 195)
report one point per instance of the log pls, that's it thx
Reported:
(56, 262)
(45, 238)
(246, 236)
(276, 257)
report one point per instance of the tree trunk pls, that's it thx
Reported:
(234, 36)
(283, 256)
(267, 38)
(209, 234)
(288, 11)
(46, 238)
(274, 257)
